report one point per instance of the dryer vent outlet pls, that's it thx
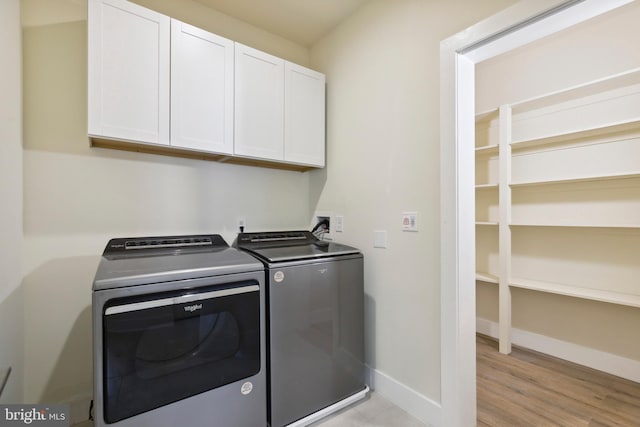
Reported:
(323, 224)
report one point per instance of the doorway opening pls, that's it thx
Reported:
(521, 24)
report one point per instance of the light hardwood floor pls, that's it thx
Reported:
(527, 388)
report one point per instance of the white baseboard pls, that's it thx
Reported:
(596, 359)
(416, 404)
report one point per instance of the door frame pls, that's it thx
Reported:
(522, 23)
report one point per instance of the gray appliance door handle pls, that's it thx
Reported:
(183, 299)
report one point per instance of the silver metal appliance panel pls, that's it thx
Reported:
(300, 252)
(131, 271)
(203, 409)
(316, 335)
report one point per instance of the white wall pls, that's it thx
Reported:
(595, 49)
(197, 14)
(11, 198)
(382, 71)
(77, 197)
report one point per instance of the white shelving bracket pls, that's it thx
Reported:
(504, 230)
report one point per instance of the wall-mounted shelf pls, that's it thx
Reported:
(487, 278)
(580, 134)
(558, 195)
(606, 84)
(486, 131)
(578, 118)
(487, 149)
(486, 116)
(577, 179)
(577, 225)
(486, 186)
(578, 292)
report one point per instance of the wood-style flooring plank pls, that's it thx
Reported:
(527, 388)
(539, 400)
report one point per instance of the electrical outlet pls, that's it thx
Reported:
(242, 223)
(339, 224)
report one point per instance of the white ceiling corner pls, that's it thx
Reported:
(301, 21)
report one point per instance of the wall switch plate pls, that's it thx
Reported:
(409, 221)
(380, 238)
(339, 224)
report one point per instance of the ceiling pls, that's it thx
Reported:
(301, 21)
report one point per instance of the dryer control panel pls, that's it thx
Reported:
(140, 246)
(271, 239)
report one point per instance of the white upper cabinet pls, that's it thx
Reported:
(201, 89)
(259, 104)
(304, 115)
(128, 72)
(280, 109)
(154, 80)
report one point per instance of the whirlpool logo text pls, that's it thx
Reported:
(192, 308)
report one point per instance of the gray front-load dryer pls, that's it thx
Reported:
(315, 304)
(179, 334)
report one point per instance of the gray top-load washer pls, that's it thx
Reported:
(179, 334)
(315, 334)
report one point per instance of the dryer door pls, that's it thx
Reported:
(161, 348)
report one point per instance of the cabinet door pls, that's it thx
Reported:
(201, 89)
(128, 50)
(259, 104)
(304, 134)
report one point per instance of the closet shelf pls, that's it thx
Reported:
(574, 225)
(606, 84)
(579, 179)
(487, 149)
(486, 277)
(487, 115)
(554, 167)
(486, 186)
(578, 292)
(606, 129)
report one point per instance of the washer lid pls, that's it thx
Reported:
(282, 246)
(122, 268)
